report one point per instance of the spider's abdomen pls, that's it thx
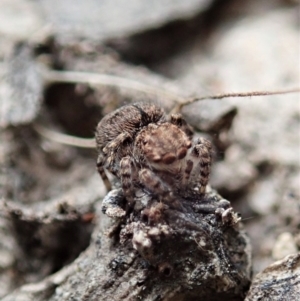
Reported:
(127, 119)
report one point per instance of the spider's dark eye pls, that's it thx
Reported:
(169, 159)
(181, 153)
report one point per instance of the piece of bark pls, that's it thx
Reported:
(186, 251)
(47, 239)
(279, 281)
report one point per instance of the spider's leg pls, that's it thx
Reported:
(126, 179)
(157, 186)
(116, 143)
(111, 151)
(202, 151)
(187, 171)
(179, 121)
(101, 171)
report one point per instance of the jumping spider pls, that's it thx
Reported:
(139, 145)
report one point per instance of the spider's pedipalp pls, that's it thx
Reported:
(154, 184)
(187, 171)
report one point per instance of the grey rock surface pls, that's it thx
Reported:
(20, 89)
(107, 19)
(279, 281)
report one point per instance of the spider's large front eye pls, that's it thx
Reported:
(169, 159)
(181, 153)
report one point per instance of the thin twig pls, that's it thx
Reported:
(51, 76)
(90, 142)
(238, 94)
(246, 94)
(90, 78)
(63, 138)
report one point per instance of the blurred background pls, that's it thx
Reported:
(166, 50)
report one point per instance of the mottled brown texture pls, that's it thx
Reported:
(189, 237)
(162, 144)
(258, 152)
(116, 131)
(193, 252)
(155, 253)
(138, 145)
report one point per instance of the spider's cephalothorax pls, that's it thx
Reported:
(141, 147)
(116, 132)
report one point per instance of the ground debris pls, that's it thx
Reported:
(279, 281)
(47, 240)
(21, 88)
(160, 253)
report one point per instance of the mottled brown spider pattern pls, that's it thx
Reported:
(145, 149)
